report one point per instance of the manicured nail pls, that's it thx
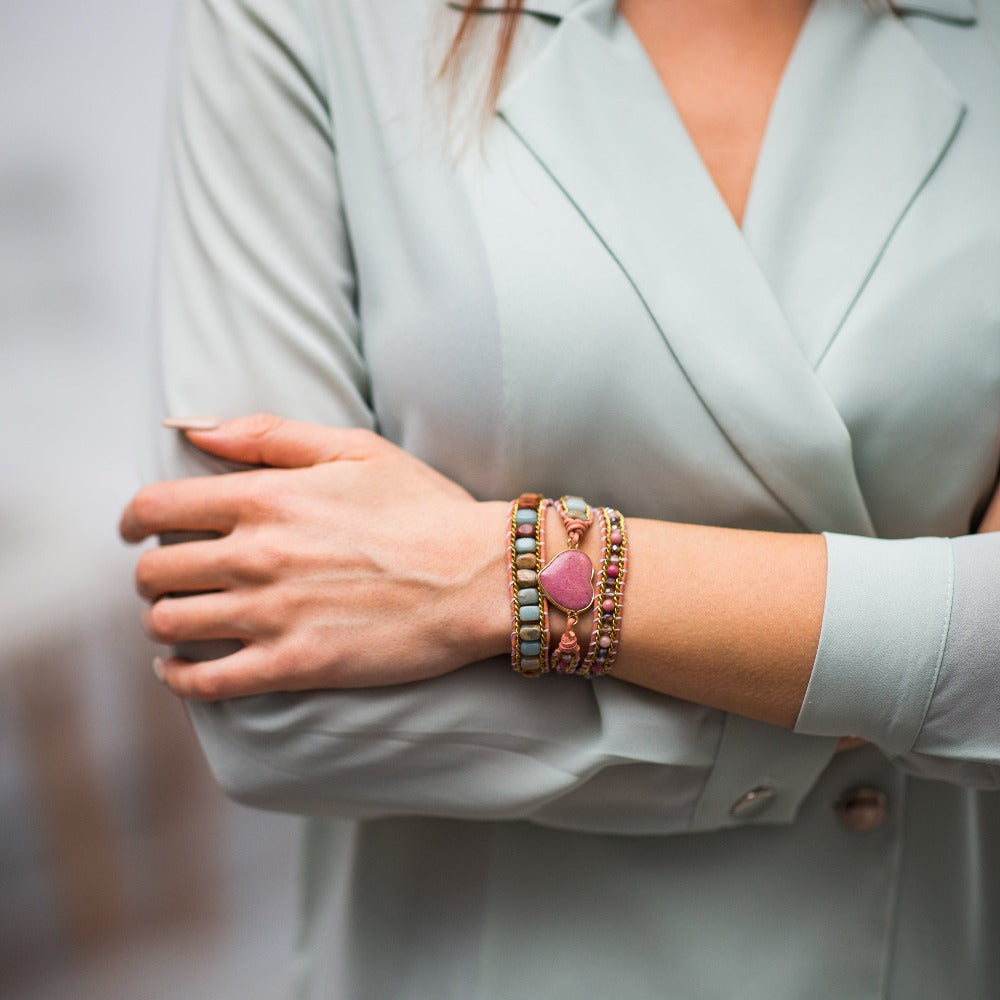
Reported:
(193, 423)
(158, 668)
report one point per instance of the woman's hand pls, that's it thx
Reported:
(345, 563)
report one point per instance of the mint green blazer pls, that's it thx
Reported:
(557, 299)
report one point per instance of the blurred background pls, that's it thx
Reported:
(123, 872)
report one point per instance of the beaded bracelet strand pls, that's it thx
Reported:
(587, 661)
(567, 581)
(610, 594)
(526, 551)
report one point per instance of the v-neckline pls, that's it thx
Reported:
(593, 113)
(791, 58)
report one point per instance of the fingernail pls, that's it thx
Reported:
(193, 423)
(158, 668)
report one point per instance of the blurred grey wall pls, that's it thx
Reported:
(122, 871)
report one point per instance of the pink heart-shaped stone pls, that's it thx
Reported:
(568, 581)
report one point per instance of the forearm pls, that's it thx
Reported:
(725, 618)
(843, 636)
(892, 641)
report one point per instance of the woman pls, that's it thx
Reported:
(585, 294)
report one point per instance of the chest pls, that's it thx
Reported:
(568, 305)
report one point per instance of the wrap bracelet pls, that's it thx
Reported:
(567, 582)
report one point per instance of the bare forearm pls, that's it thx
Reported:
(718, 616)
(722, 617)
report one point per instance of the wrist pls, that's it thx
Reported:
(486, 600)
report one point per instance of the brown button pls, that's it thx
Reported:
(862, 809)
(753, 803)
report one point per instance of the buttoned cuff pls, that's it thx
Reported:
(761, 775)
(885, 621)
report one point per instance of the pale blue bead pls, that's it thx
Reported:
(531, 648)
(577, 504)
(526, 516)
(524, 545)
(528, 595)
(531, 613)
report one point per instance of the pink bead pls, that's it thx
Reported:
(612, 570)
(608, 604)
(526, 530)
(604, 642)
(616, 538)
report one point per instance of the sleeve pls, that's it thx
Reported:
(909, 653)
(257, 311)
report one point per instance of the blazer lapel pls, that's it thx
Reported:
(859, 124)
(593, 113)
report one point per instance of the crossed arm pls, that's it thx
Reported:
(348, 563)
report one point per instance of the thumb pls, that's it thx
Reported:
(264, 439)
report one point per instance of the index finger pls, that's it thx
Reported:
(205, 503)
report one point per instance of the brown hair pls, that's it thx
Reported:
(508, 14)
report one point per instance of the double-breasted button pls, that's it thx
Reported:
(753, 803)
(862, 809)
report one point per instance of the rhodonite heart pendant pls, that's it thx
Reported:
(568, 581)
